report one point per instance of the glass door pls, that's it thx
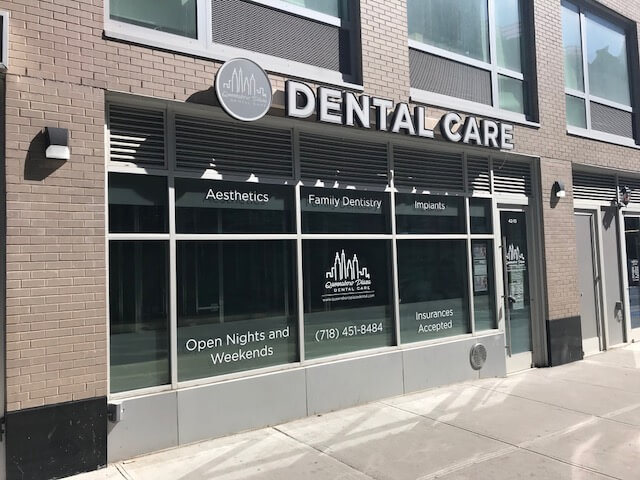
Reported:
(516, 283)
(632, 243)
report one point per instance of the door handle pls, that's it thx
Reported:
(511, 300)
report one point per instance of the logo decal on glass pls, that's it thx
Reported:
(243, 89)
(347, 280)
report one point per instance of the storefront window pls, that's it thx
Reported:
(138, 204)
(433, 289)
(632, 236)
(429, 214)
(171, 16)
(236, 306)
(484, 305)
(347, 296)
(139, 314)
(480, 213)
(326, 210)
(208, 206)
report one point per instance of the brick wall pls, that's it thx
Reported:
(61, 67)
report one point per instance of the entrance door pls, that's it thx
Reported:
(517, 282)
(632, 243)
(612, 281)
(588, 282)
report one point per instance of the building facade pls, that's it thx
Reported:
(417, 192)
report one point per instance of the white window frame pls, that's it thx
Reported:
(4, 41)
(586, 96)
(492, 67)
(203, 46)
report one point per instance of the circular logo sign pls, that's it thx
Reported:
(243, 89)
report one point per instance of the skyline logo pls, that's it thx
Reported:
(243, 89)
(514, 256)
(344, 269)
(347, 280)
(240, 85)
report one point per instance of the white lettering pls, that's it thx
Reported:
(402, 120)
(354, 111)
(329, 110)
(419, 114)
(296, 90)
(490, 133)
(382, 110)
(471, 131)
(506, 136)
(447, 124)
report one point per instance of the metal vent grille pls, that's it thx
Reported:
(478, 177)
(442, 171)
(261, 29)
(512, 177)
(633, 184)
(611, 120)
(594, 186)
(446, 77)
(233, 148)
(136, 135)
(343, 160)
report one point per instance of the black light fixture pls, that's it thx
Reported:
(57, 143)
(558, 189)
(625, 196)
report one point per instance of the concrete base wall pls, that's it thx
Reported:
(169, 419)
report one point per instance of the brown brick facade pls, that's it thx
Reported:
(61, 67)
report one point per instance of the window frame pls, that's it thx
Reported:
(526, 76)
(204, 47)
(585, 10)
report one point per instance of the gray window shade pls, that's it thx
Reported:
(274, 32)
(594, 186)
(478, 176)
(446, 77)
(343, 160)
(233, 148)
(512, 177)
(440, 171)
(611, 120)
(136, 135)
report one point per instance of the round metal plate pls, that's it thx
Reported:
(478, 356)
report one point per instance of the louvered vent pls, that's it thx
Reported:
(478, 174)
(441, 171)
(136, 135)
(594, 186)
(633, 184)
(512, 177)
(342, 160)
(233, 148)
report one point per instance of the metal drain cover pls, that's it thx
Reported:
(478, 356)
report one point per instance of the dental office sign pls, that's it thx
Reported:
(240, 94)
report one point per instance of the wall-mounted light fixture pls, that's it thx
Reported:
(558, 189)
(57, 143)
(625, 196)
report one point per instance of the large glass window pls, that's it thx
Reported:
(209, 206)
(328, 7)
(433, 289)
(600, 97)
(139, 314)
(429, 214)
(484, 305)
(138, 204)
(466, 28)
(632, 238)
(236, 306)
(347, 296)
(171, 16)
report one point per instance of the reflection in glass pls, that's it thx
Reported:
(572, 43)
(509, 34)
(484, 304)
(481, 217)
(347, 296)
(138, 204)
(236, 306)
(328, 7)
(171, 16)
(429, 214)
(209, 206)
(432, 277)
(139, 314)
(576, 113)
(326, 210)
(632, 238)
(511, 94)
(459, 26)
(514, 232)
(607, 57)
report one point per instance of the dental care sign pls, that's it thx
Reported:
(345, 108)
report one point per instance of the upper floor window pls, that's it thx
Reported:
(335, 8)
(482, 42)
(596, 70)
(171, 16)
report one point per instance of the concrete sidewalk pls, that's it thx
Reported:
(578, 421)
